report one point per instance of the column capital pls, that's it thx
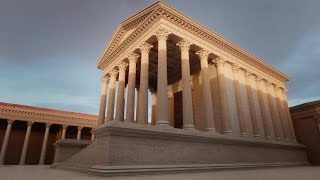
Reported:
(113, 73)
(133, 58)
(10, 121)
(48, 125)
(248, 74)
(162, 34)
(145, 47)
(105, 79)
(259, 78)
(122, 66)
(184, 45)
(79, 128)
(29, 123)
(235, 68)
(220, 61)
(203, 54)
(64, 126)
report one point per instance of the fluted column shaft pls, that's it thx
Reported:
(240, 108)
(64, 131)
(121, 89)
(265, 109)
(162, 80)
(5, 141)
(274, 112)
(289, 120)
(254, 104)
(111, 96)
(44, 144)
(137, 104)
(25, 144)
(283, 115)
(79, 133)
(187, 109)
(144, 84)
(153, 108)
(103, 101)
(131, 87)
(206, 91)
(226, 124)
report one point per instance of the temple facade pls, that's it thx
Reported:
(198, 79)
(213, 105)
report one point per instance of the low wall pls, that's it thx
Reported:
(65, 148)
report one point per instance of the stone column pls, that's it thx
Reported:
(254, 105)
(111, 97)
(64, 131)
(25, 144)
(287, 111)
(274, 112)
(121, 88)
(79, 132)
(265, 109)
(171, 107)
(226, 124)
(44, 144)
(240, 108)
(5, 141)
(131, 86)
(92, 135)
(103, 100)
(162, 81)
(154, 106)
(187, 109)
(206, 91)
(144, 83)
(283, 115)
(137, 104)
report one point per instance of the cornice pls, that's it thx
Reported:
(181, 20)
(28, 113)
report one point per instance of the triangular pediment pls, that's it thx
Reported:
(126, 28)
(132, 28)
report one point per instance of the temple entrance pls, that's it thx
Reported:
(178, 113)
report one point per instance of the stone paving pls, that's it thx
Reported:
(45, 172)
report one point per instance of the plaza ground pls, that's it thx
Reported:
(41, 172)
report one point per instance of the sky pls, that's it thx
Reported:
(48, 48)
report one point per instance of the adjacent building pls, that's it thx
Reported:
(27, 133)
(306, 121)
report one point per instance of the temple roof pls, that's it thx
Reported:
(131, 28)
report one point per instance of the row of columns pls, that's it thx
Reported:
(259, 112)
(261, 106)
(26, 141)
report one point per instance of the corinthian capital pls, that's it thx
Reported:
(184, 45)
(105, 78)
(133, 57)
(122, 66)
(248, 74)
(113, 73)
(162, 34)
(203, 54)
(220, 61)
(235, 68)
(145, 47)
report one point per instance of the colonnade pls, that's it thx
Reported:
(261, 105)
(27, 138)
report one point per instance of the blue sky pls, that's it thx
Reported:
(48, 48)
